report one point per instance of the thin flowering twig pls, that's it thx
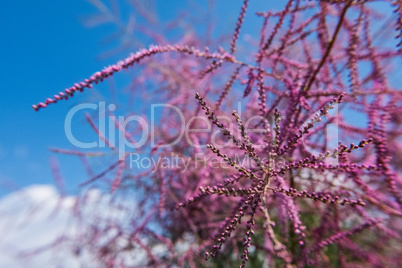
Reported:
(250, 83)
(86, 164)
(228, 86)
(317, 118)
(211, 115)
(330, 46)
(390, 210)
(128, 62)
(117, 180)
(277, 27)
(398, 10)
(215, 65)
(96, 129)
(352, 52)
(323, 197)
(100, 175)
(232, 163)
(247, 239)
(77, 153)
(230, 227)
(248, 144)
(122, 129)
(276, 129)
(57, 176)
(344, 234)
(238, 26)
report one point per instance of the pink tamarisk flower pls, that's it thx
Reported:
(283, 153)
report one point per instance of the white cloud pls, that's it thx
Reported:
(41, 228)
(34, 220)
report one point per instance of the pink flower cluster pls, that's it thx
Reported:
(321, 188)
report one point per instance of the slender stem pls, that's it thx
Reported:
(278, 246)
(330, 45)
(258, 69)
(383, 206)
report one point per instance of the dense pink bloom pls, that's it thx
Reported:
(276, 184)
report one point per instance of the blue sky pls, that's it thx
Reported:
(44, 49)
